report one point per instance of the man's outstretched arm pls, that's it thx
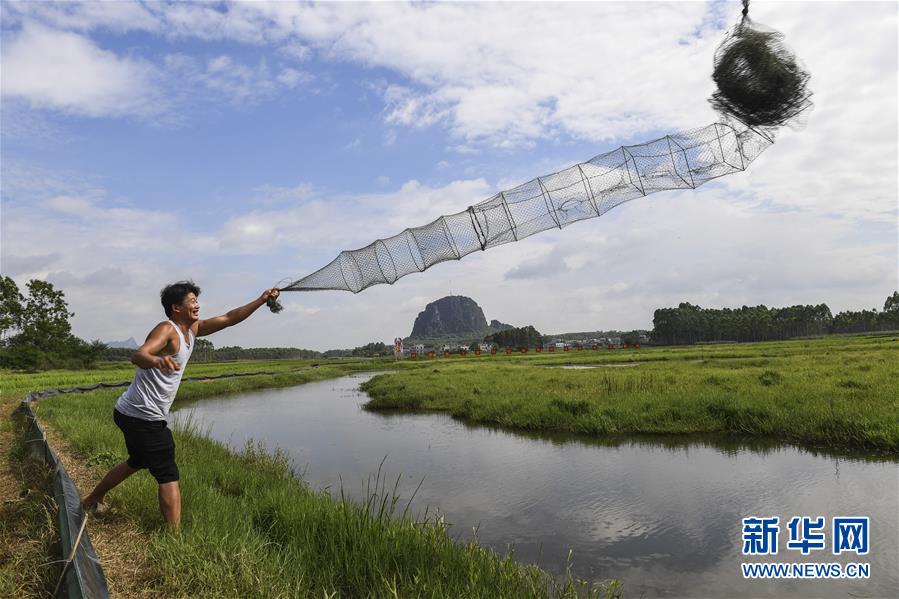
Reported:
(209, 326)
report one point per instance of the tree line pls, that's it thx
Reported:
(35, 333)
(369, 350)
(205, 351)
(689, 324)
(518, 337)
(210, 353)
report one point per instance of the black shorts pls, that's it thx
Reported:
(150, 445)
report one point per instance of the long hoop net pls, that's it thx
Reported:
(586, 190)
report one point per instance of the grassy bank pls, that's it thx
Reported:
(834, 392)
(16, 384)
(250, 526)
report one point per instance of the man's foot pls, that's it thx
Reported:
(94, 508)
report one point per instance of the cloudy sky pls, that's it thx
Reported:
(241, 144)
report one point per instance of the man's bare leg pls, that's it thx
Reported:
(170, 503)
(119, 472)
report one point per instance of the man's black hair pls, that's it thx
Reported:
(174, 294)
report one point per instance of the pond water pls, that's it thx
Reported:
(665, 517)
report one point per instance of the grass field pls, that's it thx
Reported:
(250, 525)
(836, 392)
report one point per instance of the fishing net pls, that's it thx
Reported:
(760, 87)
(759, 80)
(586, 190)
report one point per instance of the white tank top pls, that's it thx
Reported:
(152, 391)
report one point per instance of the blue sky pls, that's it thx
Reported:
(243, 143)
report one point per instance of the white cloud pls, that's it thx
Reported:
(69, 72)
(405, 107)
(345, 221)
(24, 181)
(16, 265)
(296, 51)
(268, 195)
(505, 74)
(70, 205)
(102, 256)
(119, 17)
(221, 77)
(492, 72)
(593, 70)
(239, 82)
(29, 128)
(291, 78)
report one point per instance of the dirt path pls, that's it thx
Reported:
(29, 539)
(29, 536)
(122, 546)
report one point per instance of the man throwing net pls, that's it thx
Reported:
(141, 410)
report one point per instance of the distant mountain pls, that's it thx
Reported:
(129, 343)
(453, 320)
(451, 315)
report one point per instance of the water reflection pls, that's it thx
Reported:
(727, 444)
(661, 513)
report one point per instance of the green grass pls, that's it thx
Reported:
(838, 393)
(14, 385)
(251, 525)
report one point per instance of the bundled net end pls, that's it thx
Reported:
(274, 305)
(760, 81)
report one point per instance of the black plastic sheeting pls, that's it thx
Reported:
(84, 577)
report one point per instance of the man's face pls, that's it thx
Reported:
(189, 308)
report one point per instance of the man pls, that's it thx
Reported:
(141, 410)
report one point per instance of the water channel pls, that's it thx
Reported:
(662, 516)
